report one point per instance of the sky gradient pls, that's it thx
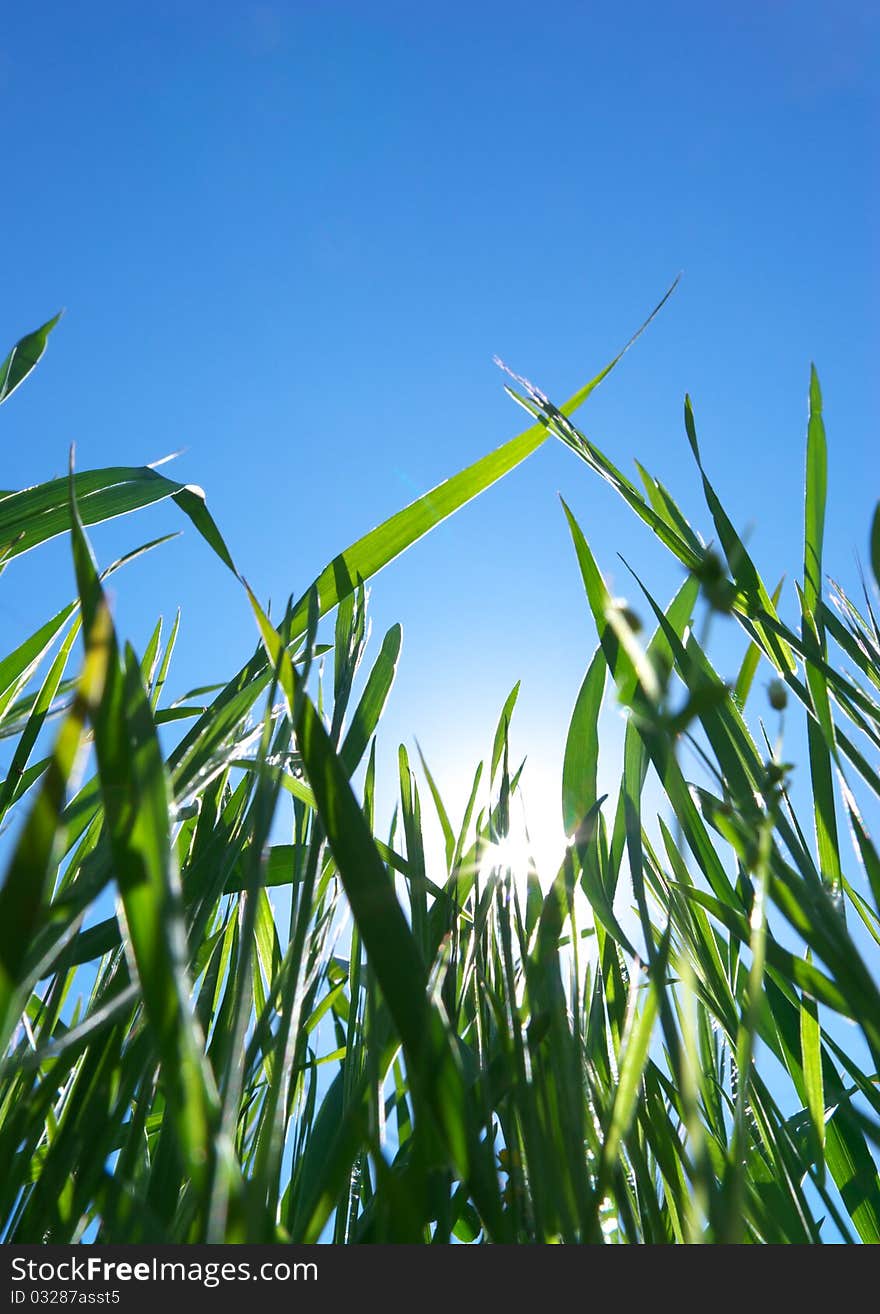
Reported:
(289, 239)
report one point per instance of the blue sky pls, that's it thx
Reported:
(291, 237)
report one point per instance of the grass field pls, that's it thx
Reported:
(428, 1047)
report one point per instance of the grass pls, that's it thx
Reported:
(427, 1047)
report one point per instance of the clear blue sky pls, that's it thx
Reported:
(290, 237)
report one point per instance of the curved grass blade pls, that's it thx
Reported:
(372, 702)
(501, 730)
(23, 357)
(580, 764)
(357, 565)
(35, 515)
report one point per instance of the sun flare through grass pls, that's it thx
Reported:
(237, 1008)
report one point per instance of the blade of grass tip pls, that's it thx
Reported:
(35, 515)
(24, 356)
(856, 642)
(821, 737)
(364, 559)
(581, 396)
(754, 596)
(35, 721)
(191, 500)
(501, 730)
(581, 761)
(442, 814)
(162, 674)
(150, 656)
(136, 797)
(141, 551)
(633, 673)
(666, 507)
(369, 554)
(17, 668)
(372, 701)
(348, 649)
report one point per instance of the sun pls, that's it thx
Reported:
(536, 840)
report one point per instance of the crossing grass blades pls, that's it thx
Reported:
(425, 1047)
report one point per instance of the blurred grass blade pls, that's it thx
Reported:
(752, 658)
(136, 799)
(32, 867)
(35, 515)
(811, 1059)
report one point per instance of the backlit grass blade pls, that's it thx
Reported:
(23, 357)
(442, 815)
(36, 718)
(741, 565)
(750, 661)
(814, 501)
(390, 945)
(18, 667)
(358, 564)
(35, 515)
(369, 554)
(811, 1058)
(372, 701)
(502, 728)
(135, 793)
(581, 760)
(625, 659)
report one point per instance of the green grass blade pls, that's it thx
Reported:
(23, 357)
(372, 702)
(502, 729)
(36, 515)
(580, 764)
(750, 661)
(814, 500)
(811, 1061)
